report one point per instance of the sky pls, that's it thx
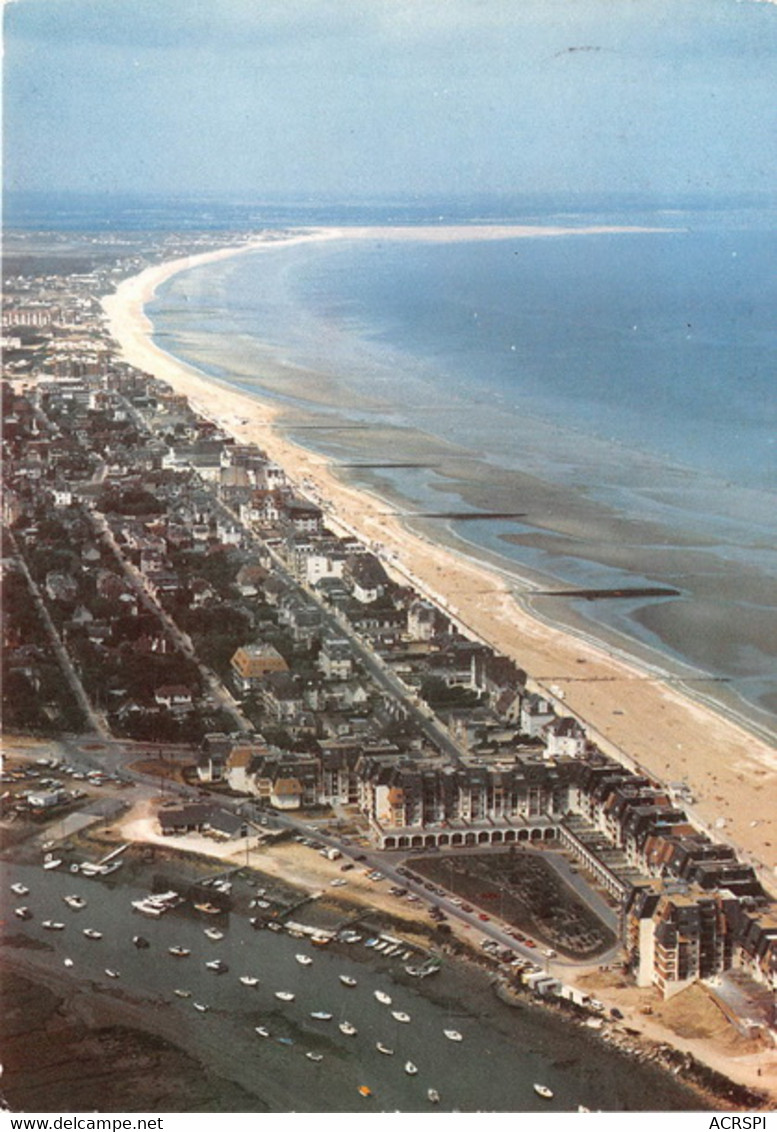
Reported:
(360, 99)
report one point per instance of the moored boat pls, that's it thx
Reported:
(321, 1015)
(23, 912)
(347, 980)
(400, 1015)
(182, 993)
(249, 980)
(75, 902)
(311, 1056)
(347, 1028)
(365, 1090)
(379, 1046)
(453, 1035)
(217, 965)
(383, 997)
(201, 1006)
(140, 942)
(208, 908)
(262, 1031)
(19, 889)
(303, 960)
(53, 925)
(54, 863)
(68, 962)
(111, 973)
(411, 1068)
(179, 952)
(284, 995)
(214, 934)
(544, 1092)
(433, 1096)
(91, 933)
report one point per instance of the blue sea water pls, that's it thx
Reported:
(616, 388)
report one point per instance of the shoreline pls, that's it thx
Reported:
(668, 733)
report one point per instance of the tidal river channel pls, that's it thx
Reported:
(502, 1053)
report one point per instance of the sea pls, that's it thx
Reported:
(614, 393)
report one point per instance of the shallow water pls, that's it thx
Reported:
(518, 1046)
(616, 390)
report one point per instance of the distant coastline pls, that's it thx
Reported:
(656, 727)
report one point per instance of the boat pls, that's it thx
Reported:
(200, 1006)
(19, 889)
(214, 933)
(305, 960)
(284, 995)
(379, 1046)
(90, 933)
(433, 1095)
(217, 965)
(54, 863)
(179, 952)
(381, 945)
(414, 972)
(285, 1041)
(68, 962)
(314, 1056)
(400, 1015)
(383, 997)
(111, 973)
(347, 980)
(249, 980)
(75, 902)
(347, 1028)
(321, 1015)
(208, 908)
(262, 1031)
(365, 1090)
(544, 1092)
(74, 868)
(148, 908)
(410, 1068)
(52, 925)
(183, 993)
(140, 941)
(114, 866)
(371, 941)
(453, 1035)
(23, 913)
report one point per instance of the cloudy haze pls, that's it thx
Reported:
(362, 98)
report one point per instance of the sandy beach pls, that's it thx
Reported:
(630, 711)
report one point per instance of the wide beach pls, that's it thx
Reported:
(631, 711)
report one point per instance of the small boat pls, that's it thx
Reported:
(74, 868)
(90, 933)
(75, 902)
(68, 962)
(544, 1092)
(453, 1035)
(214, 933)
(217, 965)
(262, 1031)
(140, 941)
(208, 908)
(347, 980)
(347, 1028)
(111, 973)
(305, 960)
(149, 908)
(381, 945)
(410, 1068)
(285, 1041)
(433, 1096)
(371, 941)
(23, 913)
(321, 1015)
(365, 1090)
(114, 866)
(179, 952)
(249, 980)
(400, 1015)
(284, 995)
(183, 993)
(200, 1006)
(383, 997)
(54, 863)
(52, 925)
(19, 889)
(379, 1046)
(314, 1056)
